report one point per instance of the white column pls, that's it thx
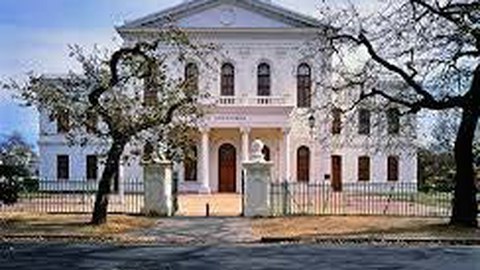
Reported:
(205, 173)
(121, 181)
(245, 142)
(286, 153)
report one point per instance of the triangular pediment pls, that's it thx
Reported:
(229, 16)
(225, 14)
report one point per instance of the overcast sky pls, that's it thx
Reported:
(35, 35)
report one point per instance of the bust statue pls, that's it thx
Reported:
(257, 147)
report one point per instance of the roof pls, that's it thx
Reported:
(188, 8)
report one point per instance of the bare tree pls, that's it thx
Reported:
(133, 93)
(432, 48)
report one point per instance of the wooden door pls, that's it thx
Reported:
(227, 168)
(303, 164)
(337, 173)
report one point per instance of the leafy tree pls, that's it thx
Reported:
(134, 93)
(16, 156)
(435, 170)
(431, 50)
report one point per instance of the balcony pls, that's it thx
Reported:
(251, 111)
(260, 101)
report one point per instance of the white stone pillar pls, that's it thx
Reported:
(205, 160)
(157, 177)
(257, 184)
(245, 142)
(286, 153)
(121, 181)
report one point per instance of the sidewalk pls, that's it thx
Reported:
(192, 230)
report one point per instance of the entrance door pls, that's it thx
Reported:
(337, 173)
(227, 168)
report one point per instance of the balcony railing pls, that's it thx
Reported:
(251, 101)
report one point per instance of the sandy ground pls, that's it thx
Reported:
(357, 225)
(54, 224)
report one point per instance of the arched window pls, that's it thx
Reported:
(228, 80)
(266, 153)
(304, 86)
(190, 164)
(303, 164)
(191, 76)
(263, 80)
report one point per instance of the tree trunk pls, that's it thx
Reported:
(99, 215)
(464, 201)
(465, 208)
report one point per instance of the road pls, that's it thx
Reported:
(102, 257)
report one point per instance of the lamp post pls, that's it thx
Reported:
(311, 124)
(311, 121)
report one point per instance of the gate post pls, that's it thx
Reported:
(157, 180)
(257, 183)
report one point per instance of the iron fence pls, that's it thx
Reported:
(394, 199)
(77, 196)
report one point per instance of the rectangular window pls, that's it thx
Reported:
(392, 166)
(92, 167)
(63, 121)
(63, 167)
(150, 93)
(337, 121)
(190, 164)
(364, 122)
(393, 121)
(92, 122)
(364, 168)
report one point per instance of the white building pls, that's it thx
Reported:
(262, 91)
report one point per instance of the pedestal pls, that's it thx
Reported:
(157, 177)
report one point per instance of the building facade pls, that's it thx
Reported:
(267, 86)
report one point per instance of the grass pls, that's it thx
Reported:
(33, 224)
(358, 225)
(441, 199)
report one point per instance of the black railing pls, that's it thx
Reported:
(395, 199)
(77, 196)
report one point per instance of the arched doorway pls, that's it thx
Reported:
(266, 153)
(227, 168)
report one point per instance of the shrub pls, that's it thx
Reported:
(9, 189)
(30, 185)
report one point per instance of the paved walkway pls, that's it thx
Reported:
(228, 205)
(213, 230)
